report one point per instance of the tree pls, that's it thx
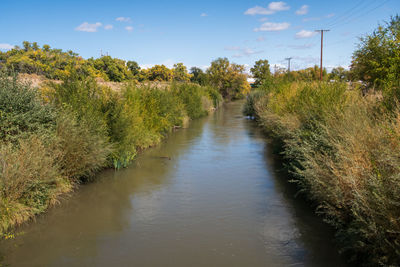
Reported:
(114, 68)
(198, 76)
(180, 73)
(159, 73)
(133, 66)
(261, 71)
(377, 58)
(27, 45)
(46, 48)
(339, 74)
(230, 79)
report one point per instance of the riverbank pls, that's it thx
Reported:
(61, 134)
(342, 150)
(216, 201)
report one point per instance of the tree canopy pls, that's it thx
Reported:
(229, 78)
(261, 71)
(377, 58)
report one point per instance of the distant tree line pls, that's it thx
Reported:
(227, 77)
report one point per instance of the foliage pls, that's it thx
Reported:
(339, 74)
(377, 59)
(82, 128)
(114, 69)
(198, 76)
(159, 73)
(261, 71)
(21, 113)
(191, 97)
(180, 73)
(229, 78)
(134, 67)
(343, 152)
(30, 180)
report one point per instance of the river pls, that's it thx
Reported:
(209, 195)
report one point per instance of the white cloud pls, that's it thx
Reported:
(129, 28)
(272, 26)
(272, 8)
(248, 52)
(258, 10)
(263, 19)
(241, 52)
(6, 46)
(302, 10)
(305, 34)
(203, 15)
(278, 6)
(108, 27)
(87, 27)
(123, 19)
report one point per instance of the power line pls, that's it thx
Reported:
(346, 12)
(322, 44)
(350, 13)
(345, 22)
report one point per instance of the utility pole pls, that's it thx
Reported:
(322, 44)
(288, 59)
(275, 67)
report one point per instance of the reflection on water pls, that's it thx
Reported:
(208, 196)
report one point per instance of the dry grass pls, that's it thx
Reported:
(345, 156)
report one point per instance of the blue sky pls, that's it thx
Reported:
(197, 32)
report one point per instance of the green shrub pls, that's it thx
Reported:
(80, 153)
(21, 112)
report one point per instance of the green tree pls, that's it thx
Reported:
(377, 58)
(198, 76)
(339, 74)
(180, 73)
(261, 71)
(46, 48)
(159, 73)
(133, 66)
(27, 45)
(114, 68)
(230, 79)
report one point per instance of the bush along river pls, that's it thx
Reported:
(208, 195)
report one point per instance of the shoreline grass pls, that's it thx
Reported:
(342, 149)
(60, 135)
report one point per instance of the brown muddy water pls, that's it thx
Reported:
(208, 195)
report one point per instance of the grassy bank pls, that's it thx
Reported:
(57, 136)
(343, 151)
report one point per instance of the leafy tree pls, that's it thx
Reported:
(159, 73)
(133, 66)
(339, 74)
(261, 71)
(180, 73)
(114, 68)
(230, 79)
(27, 45)
(377, 59)
(198, 76)
(46, 48)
